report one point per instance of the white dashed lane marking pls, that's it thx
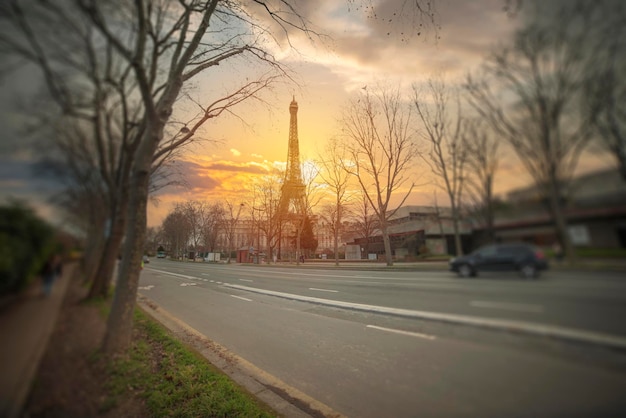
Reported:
(242, 298)
(401, 332)
(323, 290)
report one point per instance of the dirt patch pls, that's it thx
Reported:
(71, 379)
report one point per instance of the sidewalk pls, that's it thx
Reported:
(25, 328)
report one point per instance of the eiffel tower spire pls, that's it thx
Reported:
(292, 196)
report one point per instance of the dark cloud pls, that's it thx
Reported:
(395, 38)
(21, 177)
(208, 177)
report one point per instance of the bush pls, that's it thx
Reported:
(26, 242)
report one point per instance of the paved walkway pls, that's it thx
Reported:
(25, 328)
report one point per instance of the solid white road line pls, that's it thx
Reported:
(324, 290)
(242, 298)
(399, 331)
(518, 307)
(545, 330)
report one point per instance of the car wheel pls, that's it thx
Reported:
(465, 270)
(528, 271)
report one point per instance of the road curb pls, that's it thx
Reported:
(550, 331)
(285, 400)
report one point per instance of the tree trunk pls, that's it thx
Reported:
(457, 234)
(336, 247)
(387, 243)
(104, 276)
(561, 225)
(491, 235)
(120, 323)
(93, 253)
(336, 233)
(102, 281)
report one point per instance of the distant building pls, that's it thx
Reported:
(436, 222)
(595, 208)
(415, 230)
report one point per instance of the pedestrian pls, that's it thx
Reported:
(48, 274)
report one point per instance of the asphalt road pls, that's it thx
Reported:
(381, 358)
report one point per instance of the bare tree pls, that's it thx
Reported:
(153, 235)
(266, 198)
(445, 130)
(364, 218)
(196, 213)
(604, 98)
(91, 87)
(336, 178)
(482, 160)
(212, 227)
(176, 232)
(381, 146)
(170, 45)
(312, 197)
(84, 197)
(229, 223)
(542, 74)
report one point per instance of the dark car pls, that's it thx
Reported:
(527, 259)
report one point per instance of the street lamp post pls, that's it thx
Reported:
(257, 220)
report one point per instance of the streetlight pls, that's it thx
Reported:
(257, 221)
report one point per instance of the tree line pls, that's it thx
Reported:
(550, 95)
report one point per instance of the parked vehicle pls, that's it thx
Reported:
(146, 259)
(161, 254)
(528, 260)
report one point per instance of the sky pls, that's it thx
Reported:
(360, 47)
(359, 51)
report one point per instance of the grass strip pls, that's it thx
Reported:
(176, 381)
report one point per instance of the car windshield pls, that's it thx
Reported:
(485, 251)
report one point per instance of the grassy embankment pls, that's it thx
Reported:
(174, 380)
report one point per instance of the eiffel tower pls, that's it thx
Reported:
(292, 195)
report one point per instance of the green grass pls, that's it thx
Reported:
(176, 381)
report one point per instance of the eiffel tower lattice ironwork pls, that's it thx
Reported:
(292, 196)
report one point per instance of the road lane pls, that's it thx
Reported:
(365, 372)
(595, 305)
